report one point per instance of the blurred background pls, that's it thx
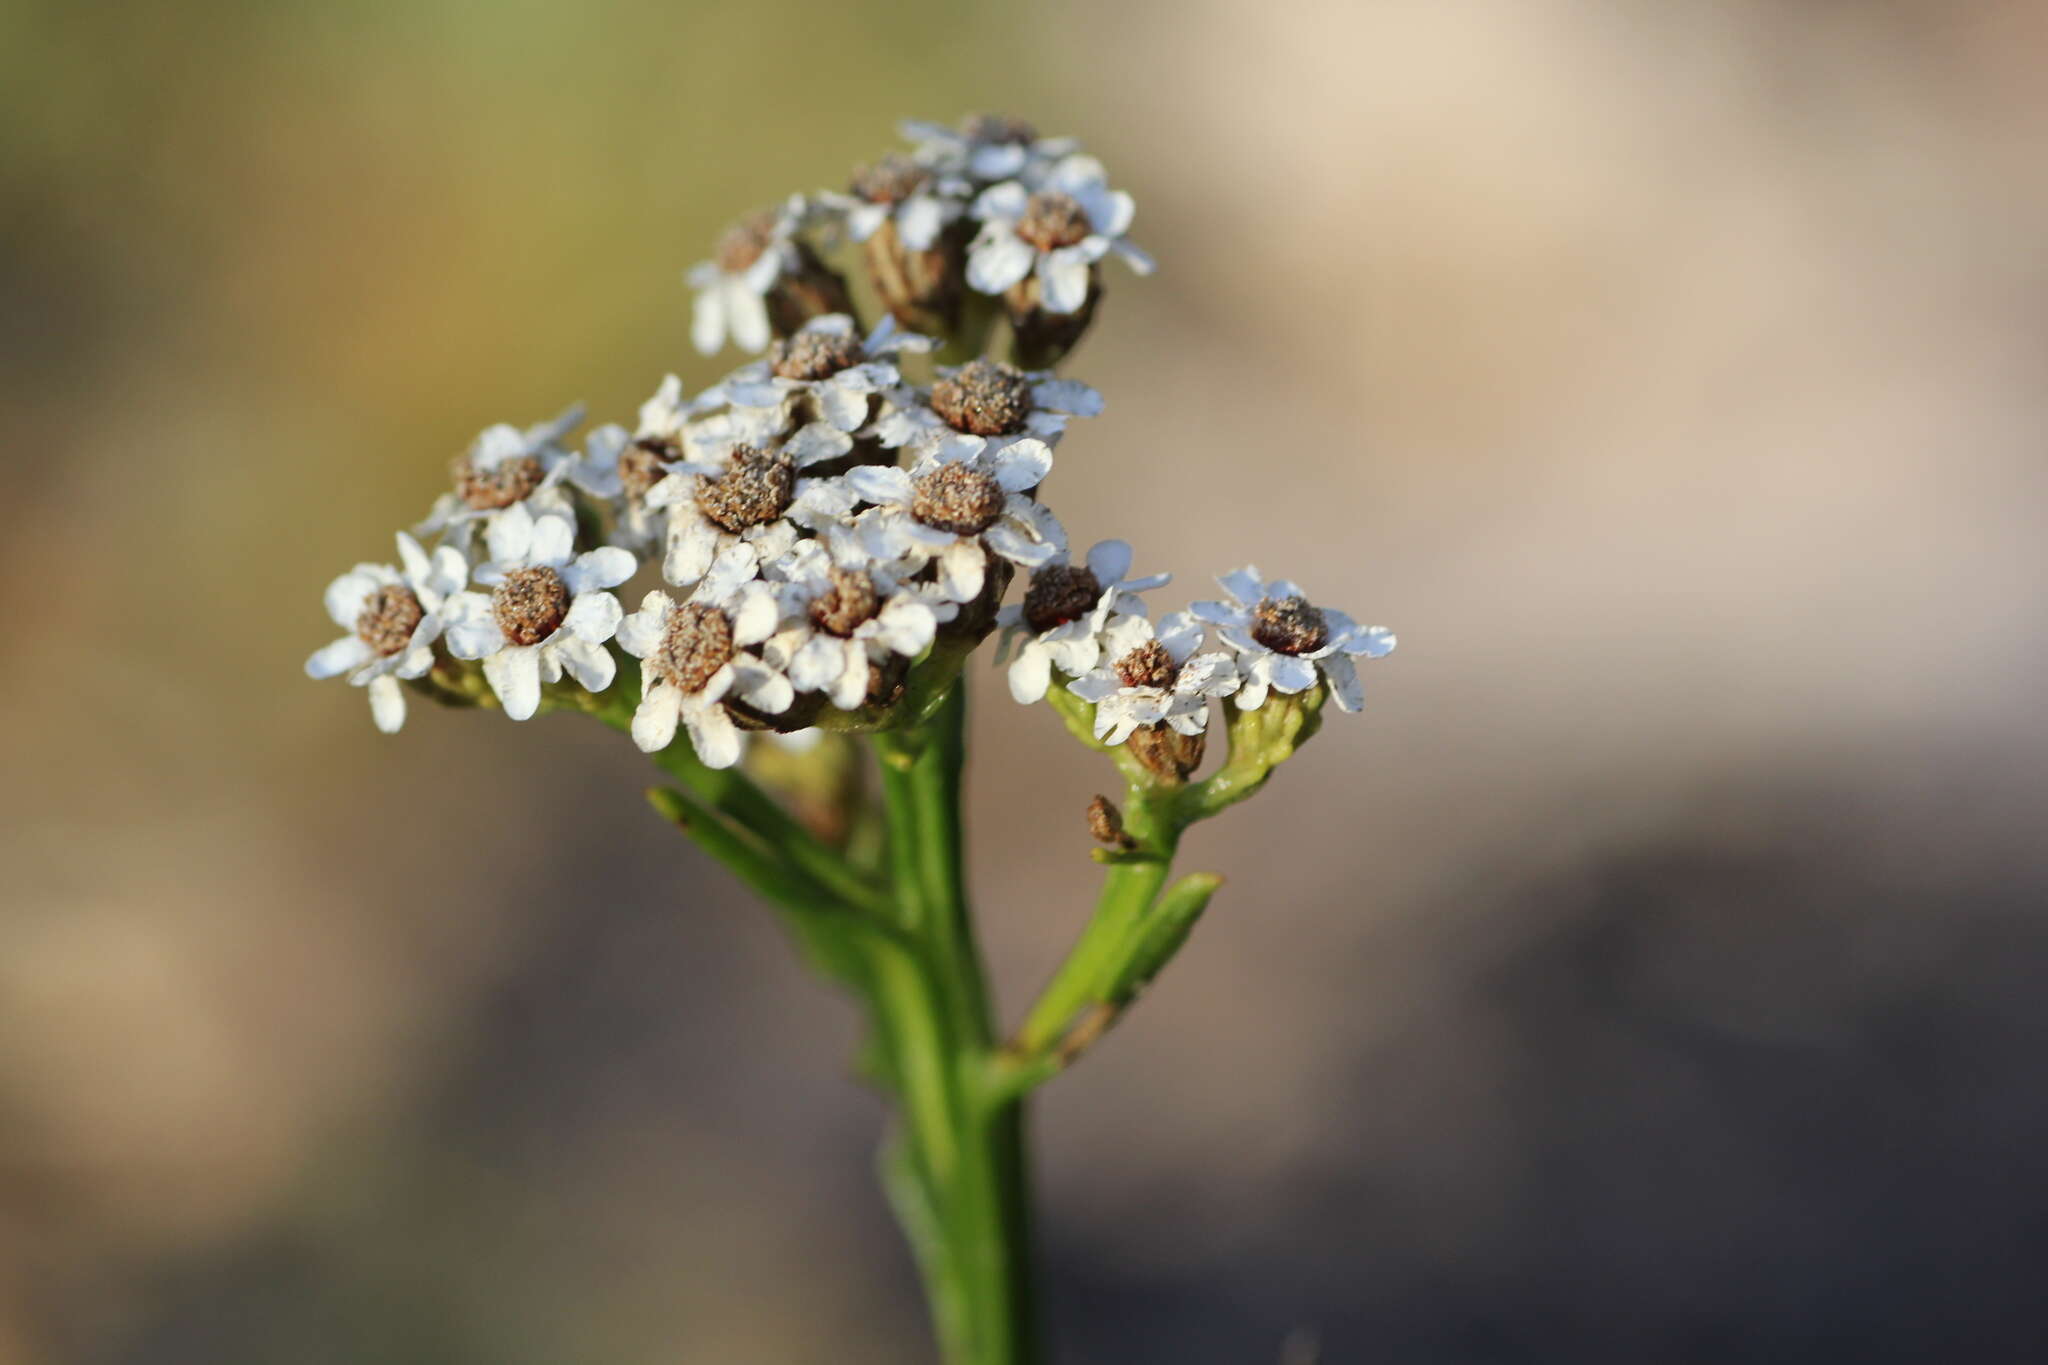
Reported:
(1652, 974)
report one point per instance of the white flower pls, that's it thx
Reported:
(732, 288)
(988, 147)
(920, 198)
(826, 371)
(756, 496)
(1282, 640)
(986, 402)
(1059, 229)
(503, 467)
(843, 611)
(1154, 679)
(948, 507)
(693, 660)
(548, 610)
(393, 617)
(1063, 614)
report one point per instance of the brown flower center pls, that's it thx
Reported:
(999, 128)
(530, 605)
(851, 601)
(1289, 625)
(644, 464)
(697, 643)
(755, 490)
(745, 241)
(501, 485)
(388, 619)
(815, 354)
(1052, 220)
(1060, 593)
(984, 398)
(891, 180)
(956, 498)
(1149, 665)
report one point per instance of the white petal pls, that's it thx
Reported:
(817, 665)
(1290, 674)
(1067, 395)
(1013, 545)
(1109, 561)
(1374, 642)
(1030, 675)
(906, 626)
(919, 220)
(514, 674)
(1063, 280)
(1022, 464)
(997, 261)
(654, 720)
(594, 616)
(387, 704)
(588, 663)
(713, 735)
(640, 634)
(1095, 686)
(692, 544)
(818, 441)
(554, 540)
(342, 656)
(707, 334)
(754, 615)
(747, 318)
(1342, 675)
(605, 567)
(346, 595)
(510, 535)
(962, 566)
(842, 407)
(1137, 258)
(880, 483)
(1007, 200)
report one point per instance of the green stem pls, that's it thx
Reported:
(963, 1138)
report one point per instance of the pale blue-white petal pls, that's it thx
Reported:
(1063, 279)
(880, 483)
(1290, 674)
(341, 656)
(1022, 464)
(594, 616)
(997, 261)
(1342, 675)
(387, 704)
(1109, 561)
(514, 674)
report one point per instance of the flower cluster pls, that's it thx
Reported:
(834, 533)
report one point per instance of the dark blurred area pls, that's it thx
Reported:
(1651, 974)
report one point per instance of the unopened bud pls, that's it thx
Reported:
(1106, 823)
(1167, 753)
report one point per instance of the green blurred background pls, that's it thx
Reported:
(1651, 974)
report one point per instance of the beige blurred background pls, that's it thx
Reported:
(1652, 973)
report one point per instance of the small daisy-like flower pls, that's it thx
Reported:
(825, 371)
(504, 467)
(393, 617)
(987, 403)
(848, 613)
(548, 609)
(1154, 678)
(949, 507)
(917, 197)
(1058, 229)
(1063, 614)
(1282, 640)
(693, 658)
(755, 496)
(732, 287)
(988, 147)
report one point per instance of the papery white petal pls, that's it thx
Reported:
(962, 569)
(1030, 675)
(1342, 675)
(1374, 642)
(754, 614)
(387, 704)
(589, 663)
(509, 535)
(998, 260)
(1063, 279)
(919, 221)
(819, 441)
(554, 540)
(654, 720)
(746, 317)
(594, 570)
(1109, 561)
(692, 544)
(640, 634)
(343, 655)
(594, 616)
(713, 736)
(906, 626)
(514, 674)
(1013, 545)
(841, 406)
(1022, 464)
(1095, 686)
(882, 484)
(1290, 674)
(1137, 258)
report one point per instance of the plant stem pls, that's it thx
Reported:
(959, 1183)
